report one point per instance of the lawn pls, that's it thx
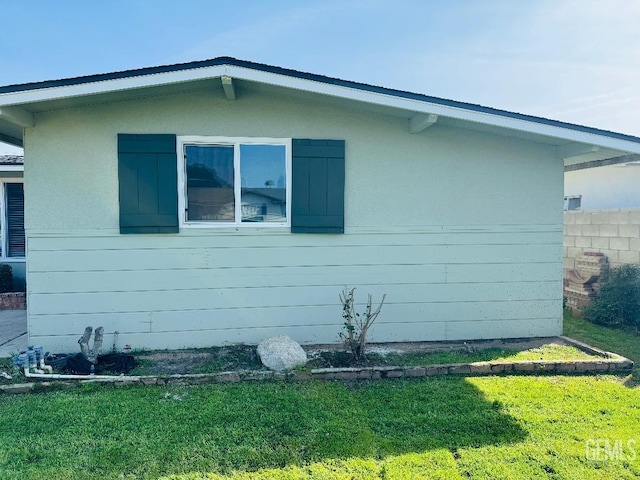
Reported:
(516, 427)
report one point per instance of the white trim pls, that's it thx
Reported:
(421, 121)
(339, 91)
(17, 116)
(11, 168)
(575, 150)
(114, 85)
(227, 86)
(182, 141)
(3, 221)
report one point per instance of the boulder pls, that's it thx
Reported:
(281, 353)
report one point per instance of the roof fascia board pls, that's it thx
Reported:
(11, 168)
(113, 85)
(420, 106)
(603, 163)
(320, 87)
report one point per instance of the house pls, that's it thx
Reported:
(603, 184)
(153, 207)
(12, 237)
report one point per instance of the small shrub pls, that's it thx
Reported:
(357, 325)
(6, 278)
(618, 302)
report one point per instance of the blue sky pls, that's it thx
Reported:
(572, 60)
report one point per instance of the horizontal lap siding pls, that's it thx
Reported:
(383, 332)
(198, 290)
(211, 258)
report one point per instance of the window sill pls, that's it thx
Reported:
(237, 226)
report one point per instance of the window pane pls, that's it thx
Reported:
(210, 183)
(264, 193)
(574, 203)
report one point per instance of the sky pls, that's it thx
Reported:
(572, 60)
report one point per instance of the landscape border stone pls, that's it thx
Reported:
(606, 362)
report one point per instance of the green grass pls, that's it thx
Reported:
(516, 427)
(623, 342)
(544, 352)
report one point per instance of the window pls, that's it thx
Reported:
(234, 181)
(12, 220)
(572, 202)
(165, 182)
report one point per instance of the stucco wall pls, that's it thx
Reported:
(614, 232)
(462, 230)
(611, 186)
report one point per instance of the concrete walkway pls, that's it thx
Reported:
(13, 332)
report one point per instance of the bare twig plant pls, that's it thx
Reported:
(357, 325)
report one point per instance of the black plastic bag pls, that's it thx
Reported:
(117, 362)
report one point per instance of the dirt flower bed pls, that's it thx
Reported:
(243, 357)
(201, 360)
(333, 362)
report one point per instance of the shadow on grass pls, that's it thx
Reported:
(219, 428)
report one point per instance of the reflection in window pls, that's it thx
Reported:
(263, 191)
(234, 182)
(210, 183)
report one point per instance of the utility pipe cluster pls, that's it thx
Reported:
(31, 361)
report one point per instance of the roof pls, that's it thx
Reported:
(19, 102)
(624, 160)
(11, 163)
(11, 160)
(275, 194)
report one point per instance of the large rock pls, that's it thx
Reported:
(281, 353)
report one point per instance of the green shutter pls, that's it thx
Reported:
(317, 190)
(147, 173)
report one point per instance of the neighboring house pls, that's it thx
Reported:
(12, 238)
(603, 184)
(154, 207)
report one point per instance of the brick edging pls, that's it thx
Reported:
(13, 301)
(613, 363)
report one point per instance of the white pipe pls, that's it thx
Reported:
(58, 376)
(46, 368)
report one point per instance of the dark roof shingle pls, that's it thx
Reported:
(11, 160)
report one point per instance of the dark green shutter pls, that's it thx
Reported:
(147, 172)
(15, 219)
(317, 190)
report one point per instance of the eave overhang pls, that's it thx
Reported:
(574, 143)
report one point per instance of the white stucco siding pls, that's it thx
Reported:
(611, 186)
(461, 230)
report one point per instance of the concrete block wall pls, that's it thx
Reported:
(615, 232)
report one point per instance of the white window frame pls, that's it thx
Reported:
(184, 140)
(567, 201)
(3, 221)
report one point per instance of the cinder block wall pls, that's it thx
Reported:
(615, 232)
